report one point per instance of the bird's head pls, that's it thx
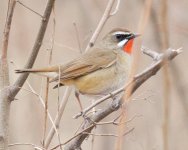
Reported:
(120, 39)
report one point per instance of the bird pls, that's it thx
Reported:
(99, 71)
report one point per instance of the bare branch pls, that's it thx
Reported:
(101, 23)
(58, 117)
(22, 4)
(50, 51)
(4, 81)
(20, 81)
(7, 28)
(152, 54)
(116, 8)
(46, 109)
(143, 21)
(113, 135)
(77, 36)
(117, 123)
(26, 144)
(163, 26)
(136, 82)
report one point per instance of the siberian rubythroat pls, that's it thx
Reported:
(101, 70)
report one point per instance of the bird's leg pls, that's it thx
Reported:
(78, 99)
(115, 100)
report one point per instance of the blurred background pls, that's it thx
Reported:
(162, 24)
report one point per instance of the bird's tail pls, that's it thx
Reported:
(48, 72)
(28, 70)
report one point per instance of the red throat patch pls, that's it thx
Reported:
(128, 46)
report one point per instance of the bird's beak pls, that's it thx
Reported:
(132, 36)
(136, 35)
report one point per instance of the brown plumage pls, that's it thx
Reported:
(99, 71)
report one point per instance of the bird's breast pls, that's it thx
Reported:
(105, 80)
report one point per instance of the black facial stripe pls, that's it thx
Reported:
(121, 37)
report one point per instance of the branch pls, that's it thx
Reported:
(112, 135)
(38, 42)
(7, 28)
(107, 14)
(22, 4)
(136, 82)
(58, 117)
(4, 81)
(27, 144)
(116, 8)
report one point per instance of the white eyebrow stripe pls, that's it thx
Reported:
(120, 32)
(122, 43)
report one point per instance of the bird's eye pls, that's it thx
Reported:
(120, 37)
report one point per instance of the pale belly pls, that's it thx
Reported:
(101, 82)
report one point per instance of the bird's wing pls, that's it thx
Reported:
(87, 63)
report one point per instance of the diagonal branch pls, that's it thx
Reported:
(104, 18)
(136, 82)
(38, 42)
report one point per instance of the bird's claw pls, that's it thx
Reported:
(81, 113)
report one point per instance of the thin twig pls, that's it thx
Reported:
(77, 36)
(50, 50)
(117, 123)
(45, 109)
(154, 55)
(27, 144)
(78, 134)
(101, 134)
(25, 6)
(112, 135)
(166, 76)
(116, 8)
(43, 104)
(65, 46)
(88, 133)
(58, 116)
(101, 23)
